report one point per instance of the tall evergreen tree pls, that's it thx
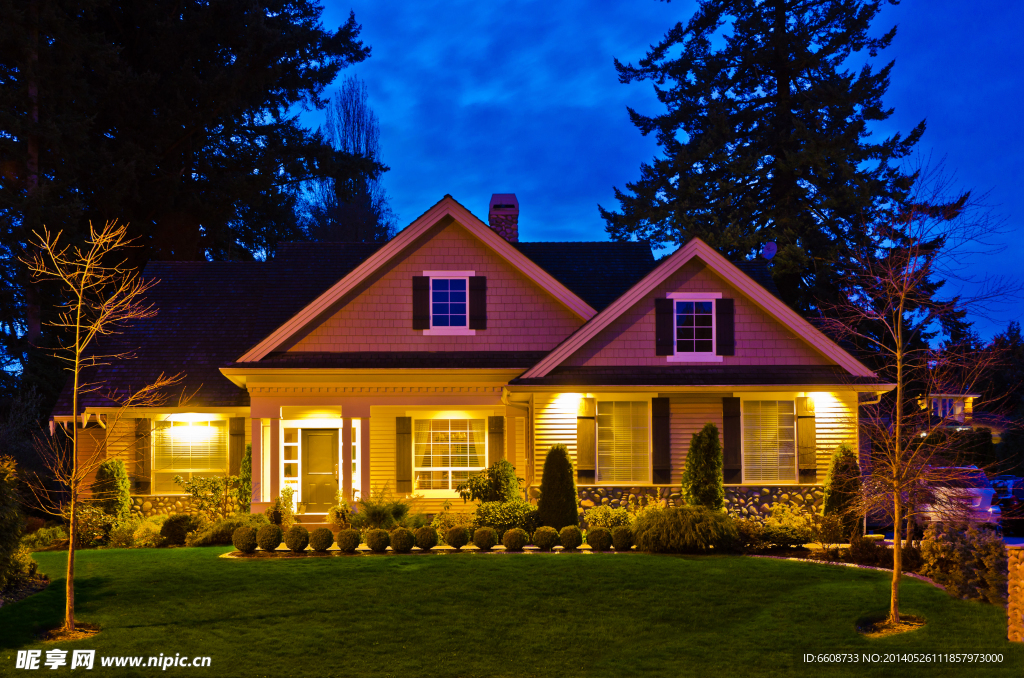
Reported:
(766, 137)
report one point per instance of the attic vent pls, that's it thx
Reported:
(503, 216)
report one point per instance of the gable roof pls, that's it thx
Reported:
(697, 248)
(446, 207)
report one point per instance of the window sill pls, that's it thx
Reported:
(437, 494)
(695, 358)
(449, 331)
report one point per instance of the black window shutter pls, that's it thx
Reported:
(478, 302)
(143, 456)
(732, 457)
(420, 302)
(725, 327)
(661, 459)
(664, 327)
(236, 444)
(495, 439)
(806, 440)
(403, 454)
(586, 441)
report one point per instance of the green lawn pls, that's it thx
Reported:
(495, 615)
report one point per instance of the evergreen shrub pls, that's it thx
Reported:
(122, 535)
(842, 489)
(606, 516)
(515, 539)
(505, 515)
(702, 473)
(685, 529)
(243, 490)
(497, 483)
(147, 535)
(545, 538)
(485, 538)
(114, 490)
(176, 528)
(426, 538)
(457, 537)
(348, 540)
(221, 532)
(402, 540)
(969, 562)
(622, 538)
(378, 540)
(296, 538)
(244, 539)
(269, 537)
(570, 537)
(599, 538)
(321, 539)
(558, 500)
(11, 521)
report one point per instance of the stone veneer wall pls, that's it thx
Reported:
(745, 500)
(147, 505)
(1015, 586)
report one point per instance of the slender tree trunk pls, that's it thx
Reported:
(69, 584)
(897, 566)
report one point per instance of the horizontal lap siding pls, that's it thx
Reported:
(554, 422)
(835, 423)
(685, 419)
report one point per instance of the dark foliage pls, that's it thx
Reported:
(558, 500)
(685, 529)
(485, 538)
(570, 537)
(244, 539)
(269, 537)
(348, 540)
(702, 472)
(545, 538)
(113, 489)
(497, 483)
(243, 490)
(296, 538)
(321, 539)
(599, 538)
(515, 539)
(457, 537)
(506, 515)
(221, 532)
(177, 527)
(842, 490)
(426, 538)
(378, 540)
(622, 538)
(11, 520)
(402, 540)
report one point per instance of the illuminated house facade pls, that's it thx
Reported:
(415, 363)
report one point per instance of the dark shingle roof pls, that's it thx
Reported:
(687, 375)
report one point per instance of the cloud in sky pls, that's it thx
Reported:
(480, 98)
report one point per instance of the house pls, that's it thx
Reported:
(415, 363)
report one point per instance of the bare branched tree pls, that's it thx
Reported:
(101, 294)
(893, 311)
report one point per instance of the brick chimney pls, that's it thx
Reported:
(503, 216)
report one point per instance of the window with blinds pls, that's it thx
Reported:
(623, 452)
(769, 441)
(446, 451)
(187, 449)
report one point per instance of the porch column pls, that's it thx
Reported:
(346, 459)
(275, 458)
(364, 453)
(257, 460)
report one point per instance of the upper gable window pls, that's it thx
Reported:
(449, 302)
(694, 327)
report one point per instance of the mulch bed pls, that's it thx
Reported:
(880, 628)
(59, 635)
(24, 590)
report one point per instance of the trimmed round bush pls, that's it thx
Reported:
(348, 540)
(457, 537)
(244, 539)
(622, 538)
(378, 540)
(545, 538)
(571, 537)
(177, 527)
(485, 538)
(321, 539)
(402, 540)
(426, 538)
(515, 539)
(269, 537)
(599, 538)
(296, 538)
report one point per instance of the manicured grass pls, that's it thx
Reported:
(497, 615)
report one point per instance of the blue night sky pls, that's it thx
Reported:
(480, 98)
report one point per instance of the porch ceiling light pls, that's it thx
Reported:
(192, 435)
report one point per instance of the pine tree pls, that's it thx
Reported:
(702, 473)
(766, 137)
(842, 489)
(558, 499)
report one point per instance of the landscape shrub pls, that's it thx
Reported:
(558, 500)
(447, 519)
(496, 483)
(426, 538)
(11, 521)
(545, 538)
(44, 538)
(269, 537)
(457, 537)
(147, 535)
(21, 568)
(378, 540)
(348, 540)
(702, 471)
(339, 515)
(113, 490)
(685, 529)
(788, 527)
(320, 539)
(842, 489)
(244, 539)
(970, 563)
(570, 537)
(176, 528)
(122, 535)
(599, 538)
(622, 538)
(485, 538)
(211, 495)
(515, 539)
(243, 488)
(827, 533)
(220, 533)
(93, 525)
(296, 539)
(607, 517)
(505, 515)
(379, 509)
(402, 540)
(281, 512)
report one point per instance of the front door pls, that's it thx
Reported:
(320, 469)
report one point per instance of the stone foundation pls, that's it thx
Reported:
(166, 505)
(1015, 586)
(745, 500)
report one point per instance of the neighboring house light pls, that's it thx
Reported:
(447, 451)
(449, 302)
(188, 449)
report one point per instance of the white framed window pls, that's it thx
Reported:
(769, 441)
(623, 442)
(449, 302)
(693, 316)
(188, 449)
(447, 451)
